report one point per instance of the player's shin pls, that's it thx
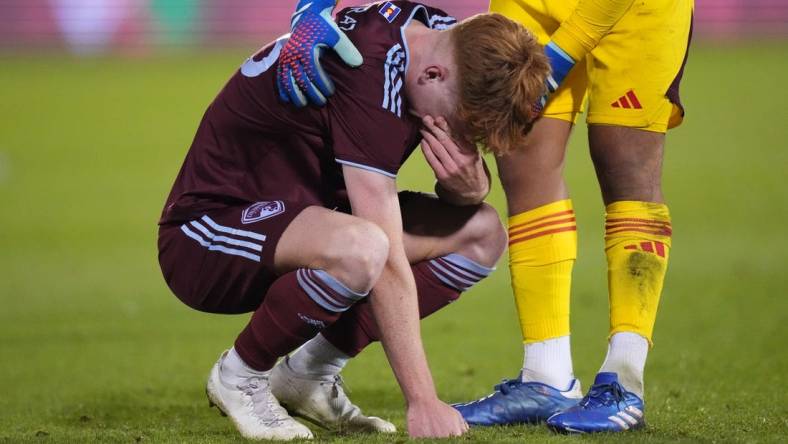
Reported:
(297, 306)
(637, 245)
(542, 252)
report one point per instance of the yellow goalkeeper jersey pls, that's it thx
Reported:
(630, 57)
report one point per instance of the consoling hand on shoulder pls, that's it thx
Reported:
(299, 76)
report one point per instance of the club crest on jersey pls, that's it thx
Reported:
(389, 11)
(262, 210)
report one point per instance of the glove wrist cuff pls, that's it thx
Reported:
(560, 61)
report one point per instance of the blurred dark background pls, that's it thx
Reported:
(92, 26)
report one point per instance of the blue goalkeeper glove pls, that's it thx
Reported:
(560, 63)
(299, 75)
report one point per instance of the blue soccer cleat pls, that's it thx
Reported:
(607, 407)
(517, 402)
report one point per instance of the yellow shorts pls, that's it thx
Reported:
(632, 77)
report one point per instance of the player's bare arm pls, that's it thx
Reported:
(374, 197)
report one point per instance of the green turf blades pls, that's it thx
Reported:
(93, 347)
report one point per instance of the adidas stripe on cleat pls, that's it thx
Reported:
(627, 418)
(608, 407)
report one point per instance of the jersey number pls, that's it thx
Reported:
(251, 68)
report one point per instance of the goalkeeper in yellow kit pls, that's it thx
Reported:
(625, 58)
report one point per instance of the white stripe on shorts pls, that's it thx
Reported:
(219, 248)
(230, 230)
(216, 238)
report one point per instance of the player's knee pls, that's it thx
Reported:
(362, 249)
(634, 183)
(485, 237)
(532, 187)
(628, 163)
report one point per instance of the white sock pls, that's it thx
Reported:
(626, 356)
(549, 362)
(234, 371)
(318, 357)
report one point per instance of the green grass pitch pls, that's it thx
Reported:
(93, 347)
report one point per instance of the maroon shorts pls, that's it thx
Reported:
(223, 261)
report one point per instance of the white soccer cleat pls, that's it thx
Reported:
(253, 408)
(322, 400)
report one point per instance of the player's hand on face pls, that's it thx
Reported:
(459, 168)
(299, 76)
(434, 419)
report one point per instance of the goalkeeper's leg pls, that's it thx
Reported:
(542, 250)
(542, 246)
(638, 230)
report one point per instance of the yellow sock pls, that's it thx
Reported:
(637, 244)
(542, 251)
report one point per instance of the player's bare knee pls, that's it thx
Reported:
(630, 182)
(485, 237)
(367, 253)
(628, 163)
(529, 184)
(361, 250)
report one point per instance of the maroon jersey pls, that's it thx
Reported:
(251, 147)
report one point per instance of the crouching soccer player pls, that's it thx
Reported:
(293, 214)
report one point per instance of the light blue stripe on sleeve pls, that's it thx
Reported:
(367, 167)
